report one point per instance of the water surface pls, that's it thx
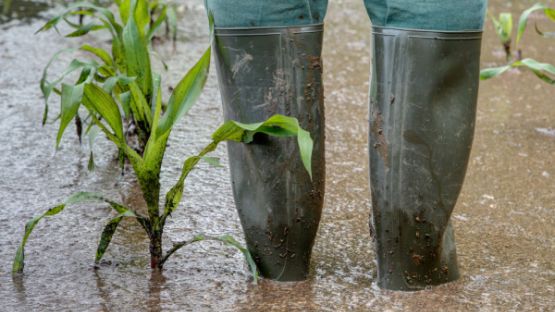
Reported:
(504, 220)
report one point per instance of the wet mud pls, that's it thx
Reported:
(504, 221)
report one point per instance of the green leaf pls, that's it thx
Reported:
(185, 94)
(230, 241)
(142, 15)
(137, 57)
(550, 13)
(124, 10)
(111, 82)
(45, 86)
(172, 22)
(212, 161)
(489, 73)
(108, 233)
(541, 70)
(544, 34)
(19, 261)
(100, 53)
(51, 23)
(125, 100)
(523, 21)
(92, 133)
(77, 8)
(277, 125)
(139, 105)
(100, 102)
(535, 65)
(506, 23)
(71, 99)
(85, 29)
(159, 20)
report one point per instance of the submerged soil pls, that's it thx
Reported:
(504, 220)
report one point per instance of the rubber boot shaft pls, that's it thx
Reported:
(422, 115)
(265, 71)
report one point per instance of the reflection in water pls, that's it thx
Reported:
(155, 287)
(102, 291)
(108, 287)
(19, 286)
(296, 296)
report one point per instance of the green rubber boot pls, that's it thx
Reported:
(422, 115)
(265, 71)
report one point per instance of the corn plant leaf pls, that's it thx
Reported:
(85, 29)
(139, 105)
(142, 15)
(157, 23)
(172, 22)
(523, 21)
(108, 233)
(111, 82)
(92, 133)
(105, 13)
(100, 102)
(185, 94)
(277, 126)
(546, 34)
(212, 161)
(232, 242)
(82, 197)
(71, 99)
(50, 24)
(544, 71)
(45, 86)
(137, 57)
(125, 100)
(100, 53)
(541, 70)
(187, 90)
(489, 73)
(124, 10)
(535, 65)
(506, 24)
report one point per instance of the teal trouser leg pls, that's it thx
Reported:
(425, 74)
(268, 59)
(256, 13)
(443, 15)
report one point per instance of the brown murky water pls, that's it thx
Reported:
(504, 221)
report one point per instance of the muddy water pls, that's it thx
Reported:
(504, 221)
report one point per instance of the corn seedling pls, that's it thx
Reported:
(105, 107)
(544, 71)
(112, 70)
(504, 30)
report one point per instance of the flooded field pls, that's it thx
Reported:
(504, 220)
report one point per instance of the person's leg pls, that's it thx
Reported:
(424, 89)
(268, 57)
(263, 13)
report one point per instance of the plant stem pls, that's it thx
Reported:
(507, 47)
(156, 253)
